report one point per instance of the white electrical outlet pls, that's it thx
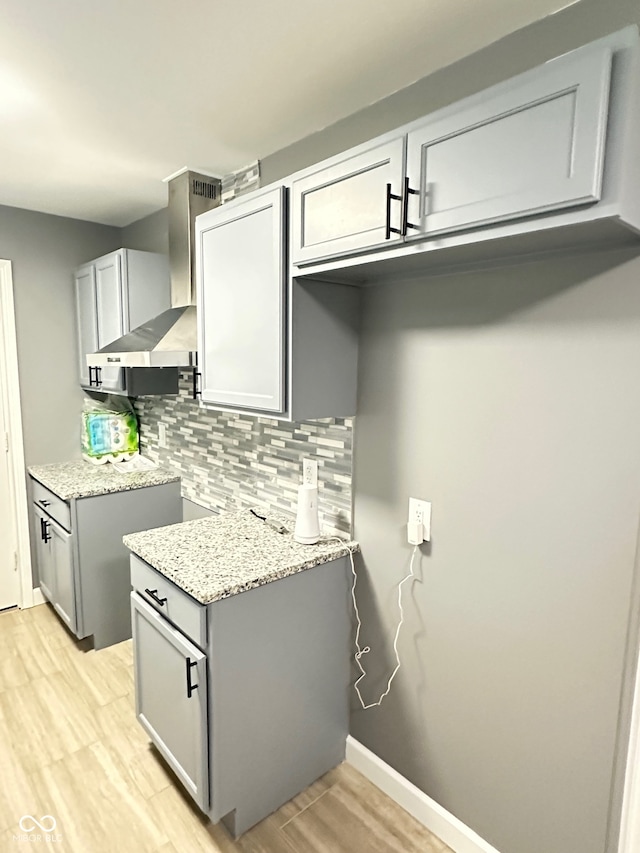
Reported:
(420, 513)
(162, 435)
(310, 472)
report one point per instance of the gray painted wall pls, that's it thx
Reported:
(509, 399)
(44, 251)
(150, 234)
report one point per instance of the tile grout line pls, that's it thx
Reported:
(312, 803)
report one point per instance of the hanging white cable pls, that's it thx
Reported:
(360, 652)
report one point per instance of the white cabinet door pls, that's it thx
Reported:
(85, 280)
(44, 556)
(241, 302)
(171, 697)
(111, 313)
(526, 148)
(64, 599)
(344, 208)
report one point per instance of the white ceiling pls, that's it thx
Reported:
(101, 99)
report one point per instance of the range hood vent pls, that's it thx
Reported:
(170, 339)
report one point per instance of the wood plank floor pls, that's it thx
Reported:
(70, 747)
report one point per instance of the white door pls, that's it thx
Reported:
(349, 207)
(111, 316)
(533, 145)
(9, 581)
(241, 303)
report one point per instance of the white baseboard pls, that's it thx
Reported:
(438, 820)
(38, 597)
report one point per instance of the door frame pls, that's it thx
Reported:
(630, 822)
(13, 413)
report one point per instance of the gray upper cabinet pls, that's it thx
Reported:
(241, 299)
(114, 294)
(171, 697)
(544, 161)
(111, 314)
(350, 205)
(531, 146)
(267, 344)
(87, 313)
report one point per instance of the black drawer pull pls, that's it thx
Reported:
(190, 687)
(153, 593)
(44, 503)
(45, 530)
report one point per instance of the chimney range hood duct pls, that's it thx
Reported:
(170, 339)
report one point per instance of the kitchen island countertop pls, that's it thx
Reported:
(217, 557)
(70, 480)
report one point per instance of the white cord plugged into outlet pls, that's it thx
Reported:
(360, 651)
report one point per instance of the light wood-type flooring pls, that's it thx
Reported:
(71, 748)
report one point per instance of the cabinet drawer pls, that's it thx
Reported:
(165, 597)
(52, 504)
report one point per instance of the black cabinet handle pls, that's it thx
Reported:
(42, 502)
(190, 687)
(42, 529)
(153, 593)
(92, 381)
(45, 530)
(98, 377)
(405, 208)
(196, 383)
(388, 231)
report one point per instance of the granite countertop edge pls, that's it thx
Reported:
(210, 572)
(79, 479)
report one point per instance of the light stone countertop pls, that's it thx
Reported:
(221, 556)
(70, 480)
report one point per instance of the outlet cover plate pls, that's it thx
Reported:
(310, 472)
(421, 511)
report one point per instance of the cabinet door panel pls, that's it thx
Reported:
(87, 318)
(175, 721)
(341, 209)
(241, 298)
(111, 314)
(62, 557)
(533, 146)
(44, 554)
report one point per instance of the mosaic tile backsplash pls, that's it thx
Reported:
(228, 460)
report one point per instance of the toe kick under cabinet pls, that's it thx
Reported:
(82, 564)
(246, 698)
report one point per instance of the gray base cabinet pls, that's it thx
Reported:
(247, 698)
(82, 564)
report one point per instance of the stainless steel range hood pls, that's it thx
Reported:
(170, 339)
